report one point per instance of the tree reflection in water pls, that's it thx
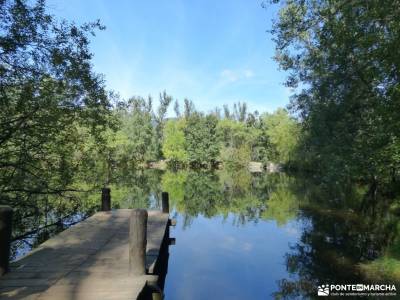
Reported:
(343, 228)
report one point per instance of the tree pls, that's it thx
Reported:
(47, 90)
(240, 111)
(236, 140)
(174, 145)
(52, 103)
(201, 142)
(138, 130)
(342, 58)
(283, 132)
(189, 108)
(177, 109)
(159, 118)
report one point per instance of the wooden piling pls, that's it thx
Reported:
(6, 213)
(165, 202)
(157, 296)
(105, 199)
(91, 261)
(138, 242)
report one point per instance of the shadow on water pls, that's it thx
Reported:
(156, 291)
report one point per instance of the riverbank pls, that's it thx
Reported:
(252, 166)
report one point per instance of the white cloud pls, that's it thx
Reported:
(229, 75)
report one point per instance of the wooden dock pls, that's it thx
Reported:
(90, 260)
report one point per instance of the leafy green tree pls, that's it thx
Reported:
(343, 61)
(159, 120)
(227, 112)
(283, 133)
(189, 108)
(240, 111)
(48, 93)
(138, 131)
(177, 109)
(54, 113)
(174, 145)
(201, 139)
(235, 140)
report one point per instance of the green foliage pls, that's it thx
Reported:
(282, 132)
(201, 141)
(343, 61)
(236, 140)
(137, 130)
(174, 146)
(54, 108)
(159, 120)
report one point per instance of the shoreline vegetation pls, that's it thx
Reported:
(144, 137)
(252, 166)
(62, 132)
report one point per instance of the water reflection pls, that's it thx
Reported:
(249, 236)
(38, 217)
(216, 259)
(343, 237)
(331, 234)
(249, 197)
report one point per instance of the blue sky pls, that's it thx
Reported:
(213, 52)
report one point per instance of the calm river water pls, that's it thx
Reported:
(260, 236)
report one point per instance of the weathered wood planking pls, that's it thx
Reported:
(87, 261)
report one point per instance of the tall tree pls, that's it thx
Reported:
(47, 90)
(165, 101)
(177, 109)
(201, 139)
(52, 105)
(174, 146)
(189, 108)
(283, 133)
(342, 57)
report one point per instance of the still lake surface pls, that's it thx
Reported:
(216, 258)
(242, 235)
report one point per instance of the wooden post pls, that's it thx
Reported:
(105, 199)
(156, 296)
(165, 202)
(6, 213)
(138, 242)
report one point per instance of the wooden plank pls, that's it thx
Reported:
(87, 261)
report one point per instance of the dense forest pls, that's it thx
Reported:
(63, 133)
